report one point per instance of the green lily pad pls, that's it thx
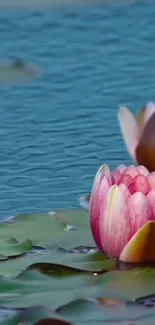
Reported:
(59, 289)
(51, 229)
(11, 247)
(83, 312)
(43, 262)
(31, 316)
(92, 262)
(47, 230)
(75, 217)
(3, 257)
(129, 285)
(53, 291)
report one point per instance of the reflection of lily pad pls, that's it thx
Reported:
(16, 71)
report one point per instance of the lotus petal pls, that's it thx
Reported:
(140, 184)
(132, 171)
(150, 109)
(140, 117)
(145, 151)
(151, 179)
(125, 191)
(126, 179)
(130, 130)
(140, 211)
(151, 199)
(143, 170)
(115, 177)
(95, 199)
(114, 223)
(121, 168)
(141, 246)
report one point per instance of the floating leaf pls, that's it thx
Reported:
(92, 262)
(31, 316)
(51, 229)
(129, 285)
(90, 312)
(60, 267)
(51, 268)
(3, 257)
(52, 290)
(11, 247)
(16, 71)
(76, 217)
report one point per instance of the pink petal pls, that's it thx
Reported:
(114, 223)
(140, 211)
(95, 199)
(126, 193)
(151, 179)
(129, 129)
(121, 168)
(150, 109)
(126, 179)
(151, 199)
(132, 171)
(115, 177)
(145, 150)
(139, 184)
(143, 170)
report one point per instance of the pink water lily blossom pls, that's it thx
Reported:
(122, 213)
(139, 134)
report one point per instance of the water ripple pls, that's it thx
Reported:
(57, 130)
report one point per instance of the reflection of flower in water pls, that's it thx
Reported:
(109, 302)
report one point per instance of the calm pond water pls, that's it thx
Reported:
(56, 130)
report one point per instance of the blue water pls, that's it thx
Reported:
(56, 130)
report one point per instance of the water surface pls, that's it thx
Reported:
(56, 130)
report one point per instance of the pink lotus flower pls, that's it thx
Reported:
(139, 134)
(122, 213)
